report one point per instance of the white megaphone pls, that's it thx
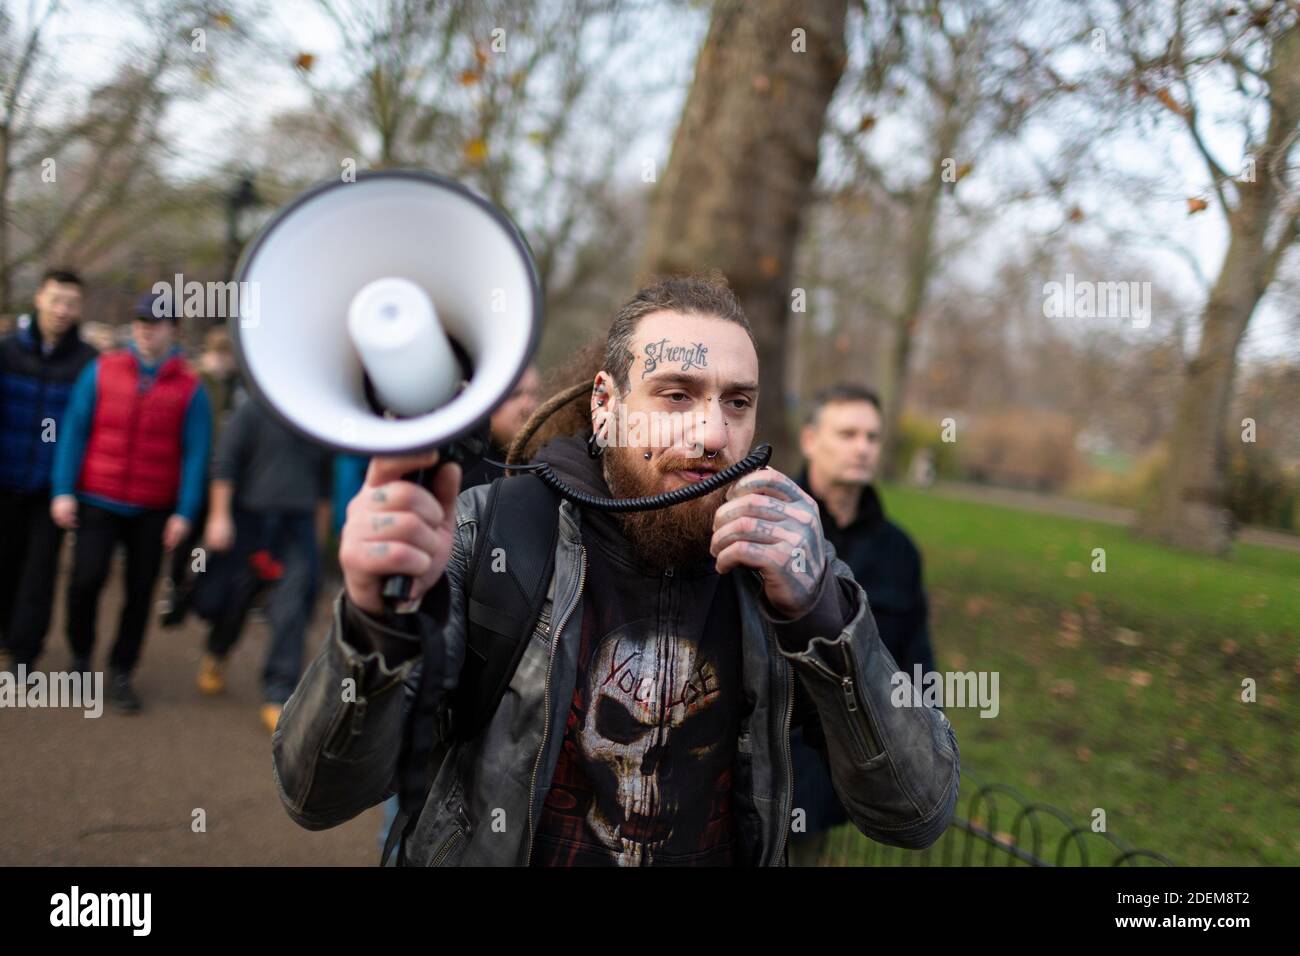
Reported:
(387, 315)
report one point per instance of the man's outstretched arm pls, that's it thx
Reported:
(338, 739)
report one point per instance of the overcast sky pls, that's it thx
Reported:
(203, 133)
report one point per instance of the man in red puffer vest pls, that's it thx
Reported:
(130, 467)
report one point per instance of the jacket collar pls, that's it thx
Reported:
(870, 513)
(30, 335)
(156, 367)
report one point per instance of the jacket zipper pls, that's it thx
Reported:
(452, 840)
(866, 739)
(40, 402)
(546, 697)
(789, 760)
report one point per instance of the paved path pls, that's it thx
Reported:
(1070, 508)
(122, 790)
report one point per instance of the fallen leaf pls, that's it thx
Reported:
(305, 61)
(1128, 638)
(1195, 205)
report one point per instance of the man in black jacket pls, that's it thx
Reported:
(647, 721)
(39, 362)
(841, 441)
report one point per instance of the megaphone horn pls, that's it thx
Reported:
(386, 315)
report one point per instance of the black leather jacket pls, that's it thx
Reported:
(896, 769)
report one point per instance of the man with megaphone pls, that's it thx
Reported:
(646, 712)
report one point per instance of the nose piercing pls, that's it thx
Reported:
(647, 455)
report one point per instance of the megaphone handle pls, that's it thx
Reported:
(397, 587)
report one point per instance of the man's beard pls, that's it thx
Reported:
(666, 537)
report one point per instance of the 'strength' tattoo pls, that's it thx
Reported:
(691, 356)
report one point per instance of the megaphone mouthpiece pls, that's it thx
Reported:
(403, 348)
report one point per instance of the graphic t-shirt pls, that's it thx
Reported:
(645, 769)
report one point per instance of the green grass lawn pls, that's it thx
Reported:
(1122, 690)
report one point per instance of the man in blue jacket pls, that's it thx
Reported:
(129, 469)
(38, 364)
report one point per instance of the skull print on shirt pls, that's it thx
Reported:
(644, 774)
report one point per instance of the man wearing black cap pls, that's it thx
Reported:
(129, 468)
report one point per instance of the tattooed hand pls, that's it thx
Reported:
(770, 524)
(397, 527)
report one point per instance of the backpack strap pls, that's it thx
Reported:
(509, 574)
(508, 577)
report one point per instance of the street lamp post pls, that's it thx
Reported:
(242, 196)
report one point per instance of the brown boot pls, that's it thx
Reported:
(212, 675)
(271, 716)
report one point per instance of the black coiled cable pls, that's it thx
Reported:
(755, 460)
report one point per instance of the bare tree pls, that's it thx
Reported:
(513, 99)
(71, 160)
(743, 160)
(958, 81)
(1175, 57)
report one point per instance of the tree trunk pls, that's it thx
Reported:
(1189, 508)
(5, 270)
(920, 266)
(743, 161)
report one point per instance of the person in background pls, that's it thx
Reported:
(220, 377)
(841, 442)
(39, 362)
(505, 423)
(268, 505)
(129, 469)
